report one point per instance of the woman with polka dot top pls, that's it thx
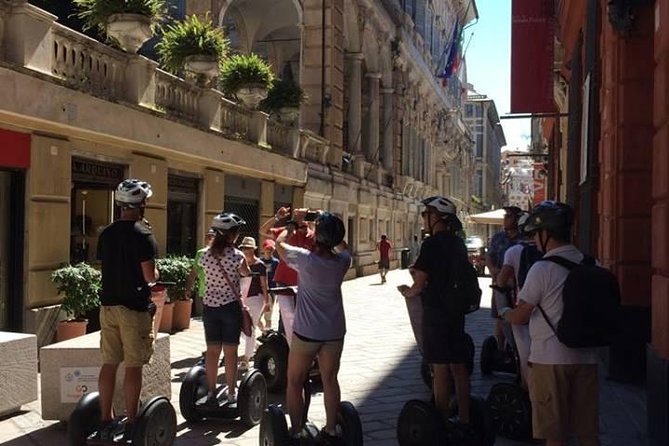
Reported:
(223, 265)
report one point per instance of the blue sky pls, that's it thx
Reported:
(488, 59)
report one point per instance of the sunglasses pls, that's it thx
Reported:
(425, 213)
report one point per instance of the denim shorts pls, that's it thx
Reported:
(223, 325)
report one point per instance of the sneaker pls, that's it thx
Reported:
(208, 402)
(327, 439)
(128, 431)
(108, 431)
(231, 399)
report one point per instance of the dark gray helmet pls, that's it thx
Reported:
(552, 216)
(329, 230)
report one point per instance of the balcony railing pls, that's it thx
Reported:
(32, 39)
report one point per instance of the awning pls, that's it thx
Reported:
(495, 217)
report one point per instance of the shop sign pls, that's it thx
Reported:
(76, 382)
(95, 172)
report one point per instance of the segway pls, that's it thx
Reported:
(496, 358)
(274, 428)
(251, 398)
(415, 310)
(271, 357)
(155, 425)
(421, 424)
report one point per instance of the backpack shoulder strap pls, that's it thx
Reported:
(561, 261)
(543, 313)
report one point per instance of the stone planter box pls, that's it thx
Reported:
(18, 371)
(70, 368)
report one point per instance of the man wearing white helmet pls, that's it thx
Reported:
(444, 338)
(127, 250)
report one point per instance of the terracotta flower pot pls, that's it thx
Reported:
(70, 329)
(182, 313)
(158, 298)
(167, 318)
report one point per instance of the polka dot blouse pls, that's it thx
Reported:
(217, 291)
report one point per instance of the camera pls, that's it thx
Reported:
(311, 215)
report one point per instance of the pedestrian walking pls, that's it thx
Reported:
(384, 246)
(127, 250)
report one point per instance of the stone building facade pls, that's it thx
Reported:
(380, 131)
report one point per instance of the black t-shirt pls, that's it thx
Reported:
(122, 247)
(438, 256)
(260, 268)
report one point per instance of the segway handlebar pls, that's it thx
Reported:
(284, 290)
(160, 286)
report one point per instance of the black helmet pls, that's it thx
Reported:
(329, 230)
(552, 216)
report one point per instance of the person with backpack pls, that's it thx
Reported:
(564, 380)
(518, 260)
(437, 274)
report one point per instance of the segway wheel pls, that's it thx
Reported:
(156, 424)
(252, 398)
(271, 359)
(488, 355)
(419, 424)
(349, 421)
(471, 352)
(426, 373)
(273, 427)
(84, 420)
(193, 387)
(511, 411)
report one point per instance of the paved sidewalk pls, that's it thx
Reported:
(380, 371)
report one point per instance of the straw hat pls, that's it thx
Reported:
(248, 242)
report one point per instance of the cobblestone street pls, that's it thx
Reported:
(380, 371)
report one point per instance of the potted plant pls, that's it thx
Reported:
(129, 22)
(176, 269)
(246, 77)
(194, 45)
(284, 100)
(80, 286)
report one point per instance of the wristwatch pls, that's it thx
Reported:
(503, 311)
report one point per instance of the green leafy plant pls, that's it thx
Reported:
(189, 37)
(244, 69)
(80, 286)
(94, 13)
(175, 269)
(284, 93)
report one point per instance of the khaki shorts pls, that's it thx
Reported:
(312, 348)
(125, 335)
(565, 401)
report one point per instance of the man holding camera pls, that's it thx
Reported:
(302, 237)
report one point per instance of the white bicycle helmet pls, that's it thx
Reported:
(441, 204)
(132, 193)
(226, 221)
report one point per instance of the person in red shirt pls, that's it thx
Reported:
(384, 247)
(303, 237)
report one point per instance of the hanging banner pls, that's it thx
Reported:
(532, 35)
(14, 149)
(540, 180)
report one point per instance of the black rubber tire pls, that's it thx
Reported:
(252, 398)
(419, 424)
(84, 420)
(471, 352)
(271, 359)
(156, 424)
(193, 387)
(511, 411)
(488, 354)
(348, 420)
(273, 427)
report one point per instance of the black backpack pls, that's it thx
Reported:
(528, 256)
(591, 299)
(466, 294)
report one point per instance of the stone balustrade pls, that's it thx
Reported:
(32, 39)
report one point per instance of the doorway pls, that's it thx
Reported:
(182, 198)
(12, 208)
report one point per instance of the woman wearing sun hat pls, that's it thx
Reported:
(257, 298)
